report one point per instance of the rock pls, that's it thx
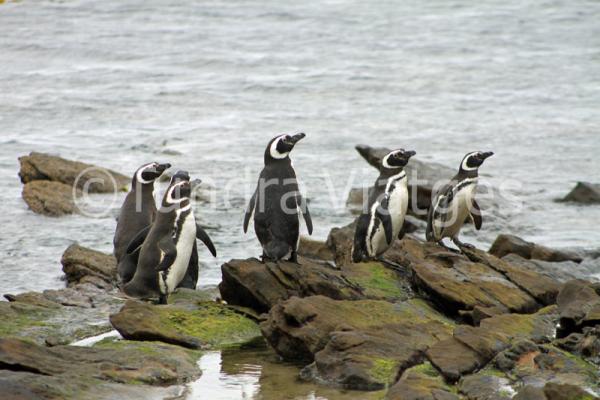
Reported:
(314, 249)
(80, 262)
(543, 288)
(260, 286)
(422, 382)
(375, 339)
(559, 271)
(471, 348)
(510, 244)
(202, 325)
(530, 393)
(578, 306)
(58, 316)
(538, 364)
(456, 283)
(66, 372)
(53, 199)
(93, 179)
(585, 193)
(486, 385)
(566, 391)
(586, 344)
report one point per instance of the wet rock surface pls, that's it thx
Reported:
(201, 325)
(52, 199)
(81, 265)
(585, 193)
(52, 184)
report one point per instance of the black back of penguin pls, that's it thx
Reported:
(277, 201)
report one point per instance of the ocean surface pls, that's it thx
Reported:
(205, 85)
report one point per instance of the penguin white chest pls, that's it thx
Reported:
(170, 278)
(459, 210)
(397, 207)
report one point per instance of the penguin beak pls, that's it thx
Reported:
(410, 153)
(487, 154)
(195, 183)
(298, 137)
(163, 167)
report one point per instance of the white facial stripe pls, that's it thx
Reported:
(464, 165)
(138, 175)
(273, 149)
(170, 199)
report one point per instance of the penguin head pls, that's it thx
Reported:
(396, 159)
(148, 173)
(279, 147)
(179, 190)
(473, 160)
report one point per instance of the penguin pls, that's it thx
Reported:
(381, 222)
(455, 202)
(166, 251)
(137, 213)
(277, 202)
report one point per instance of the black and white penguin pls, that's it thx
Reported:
(137, 213)
(277, 202)
(166, 251)
(381, 222)
(455, 202)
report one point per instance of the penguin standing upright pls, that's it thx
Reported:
(381, 222)
(165, 253)
(137, 213)
(277, 202)
(455, 202)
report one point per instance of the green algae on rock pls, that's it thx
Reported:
(207, 325)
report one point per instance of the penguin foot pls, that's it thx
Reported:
(162, 299)
(294, 258)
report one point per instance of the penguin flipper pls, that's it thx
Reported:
(476, 215)
(169, 252)
(138, 240)
(383, 214)
(250, 210)
(305, 213)
(203, 236)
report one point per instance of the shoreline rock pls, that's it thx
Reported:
(510, 244)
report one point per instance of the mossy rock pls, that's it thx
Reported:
(208, 325)
(377, 281)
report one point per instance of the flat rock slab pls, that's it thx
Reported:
(456, 283)
(81, 264)
(471, 348)
(53, 199)
(58, 316)
(205, 325)
(511, 244)
(45, 167)
(375, 339)
(31, 371)
(260, 286)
